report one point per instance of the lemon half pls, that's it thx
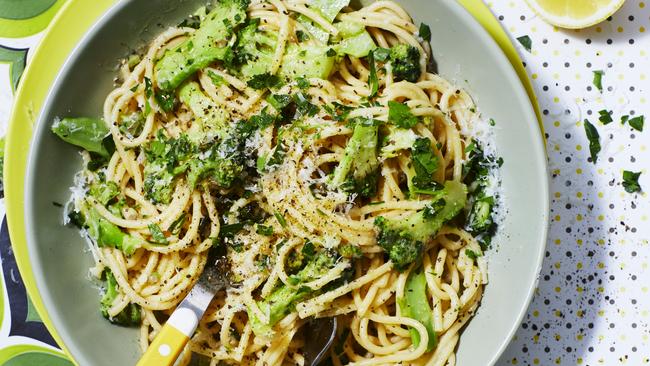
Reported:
(575, 14)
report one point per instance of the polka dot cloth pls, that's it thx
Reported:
(592, 305)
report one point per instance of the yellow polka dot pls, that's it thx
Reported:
(534, 76)
(641, 5)
(514, 361)
(535, 361)
(599, 29)
(579, 289)
(641, 29)
(557, 217)
(579, 242)
(557, 194)
(579, 361)
(601, 217)
(619, 29)
(556, 100)
(556, 123)
(578, 147)
(558, 241)
(579, 217)
(600, 195)
(557, 289)
(535, 313)
(601, 241)
(578, 171)
(557, 265)
(579, 265)
(579, 194)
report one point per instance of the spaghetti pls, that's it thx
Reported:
(283, 208)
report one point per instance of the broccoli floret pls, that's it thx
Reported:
(405, 62)
(358, 170)
(397, 139)
(480, 210)
(224, 164)
(350, 251)
(88, 133)
(404, 239)
(203, 47)
(254, 50)
(165, 160)
(104, 192)
(130, 316)
(283, 299)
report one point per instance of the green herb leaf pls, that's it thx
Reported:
(400, 115)
(263, 81)
(280, 219)
(166, 100)
(264, 230)
(598, 79)
(157, 236)
(425, 32)
(472, 254)
(605, 117)
(637, 123)
(177, 225)
(425, 163)
(331, 53)
(278, 101)
(631, 182)
(148, 92)
(624, 119)
(526, 42)
(492, 122)
(594, 140)
(302, 36)
(217, 79)
(373, 81)
(303, 83)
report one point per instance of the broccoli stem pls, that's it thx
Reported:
(106, 234)
(415, 305)
(357, 170)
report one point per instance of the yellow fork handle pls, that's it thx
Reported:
(172, 338)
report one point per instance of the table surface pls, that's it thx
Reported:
(592, 305)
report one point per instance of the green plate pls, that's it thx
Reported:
(52, 258)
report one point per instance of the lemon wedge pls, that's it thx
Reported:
(575, 14)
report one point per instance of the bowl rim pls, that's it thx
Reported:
(54, 324)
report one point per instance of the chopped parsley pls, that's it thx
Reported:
(598, 79)
(302, 36)
(303, 83)
(263, 81)
(594, 140)
(331, 53)
(264, 230)
(472, 254)
(526, 42)
(148, 92)
(177, 225)
(624, 119)
(373, 81)
(425, 32)
(400, 115)
(425, 164)
(280, 218)
(216, 78)
(157, 236)
(631, 181)
(605, 117)
(637, 123)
